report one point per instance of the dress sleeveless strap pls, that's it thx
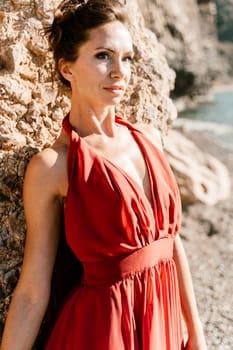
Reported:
(124, 122)
(66, 124)
(74, 141)
(115, 269)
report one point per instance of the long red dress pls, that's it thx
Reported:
(128, 298)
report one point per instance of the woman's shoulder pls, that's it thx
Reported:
(49, 159)
(47, 168)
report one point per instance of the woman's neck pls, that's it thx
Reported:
(87, 120)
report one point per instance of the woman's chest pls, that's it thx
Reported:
(125, 154)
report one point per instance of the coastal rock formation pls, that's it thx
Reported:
(33, 104)
(189, 34)
(225, 34)
(225, 19)
(201, 177)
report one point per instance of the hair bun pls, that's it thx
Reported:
(66, 4)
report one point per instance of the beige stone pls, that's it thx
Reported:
(200, 176)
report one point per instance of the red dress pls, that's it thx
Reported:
(128, 298)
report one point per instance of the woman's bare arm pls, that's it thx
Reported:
(196, 340)
(43, 216)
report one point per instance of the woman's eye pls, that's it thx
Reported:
(102, 56)
(128, 59)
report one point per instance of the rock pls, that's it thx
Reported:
(13, 163)
(34, 41)
(148, 95)
(225, 35)
(225, 19)
(7, 143)
(17, 89)
(201, 177)
(178, 26)
(226, 52)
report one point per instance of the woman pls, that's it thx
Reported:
(121, 208)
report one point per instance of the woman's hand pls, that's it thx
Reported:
(196, 342)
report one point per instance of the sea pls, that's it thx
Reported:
(215, 117)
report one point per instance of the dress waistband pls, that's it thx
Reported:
(112, 270)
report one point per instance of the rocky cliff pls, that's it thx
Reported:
(225, 20)
(187, 28)
(32, 103)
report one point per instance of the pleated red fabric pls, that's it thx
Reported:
(128, 298)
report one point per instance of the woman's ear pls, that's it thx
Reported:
(64, 69)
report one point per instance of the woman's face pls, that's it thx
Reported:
(102, 70)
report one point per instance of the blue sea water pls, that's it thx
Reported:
(220, 110)
(215, 117)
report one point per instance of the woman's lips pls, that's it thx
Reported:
(115, 89)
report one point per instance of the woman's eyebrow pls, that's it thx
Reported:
(105, 48)
(111, 50)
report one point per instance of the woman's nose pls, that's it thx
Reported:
(118, 70)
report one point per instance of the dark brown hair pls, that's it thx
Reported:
(72, 22)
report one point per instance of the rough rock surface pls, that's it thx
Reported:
(225, 34)
(225, 19)
(201, 177)
(189, 34)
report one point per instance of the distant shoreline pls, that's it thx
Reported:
(221, 135)
(219, 87)
(187, 103)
